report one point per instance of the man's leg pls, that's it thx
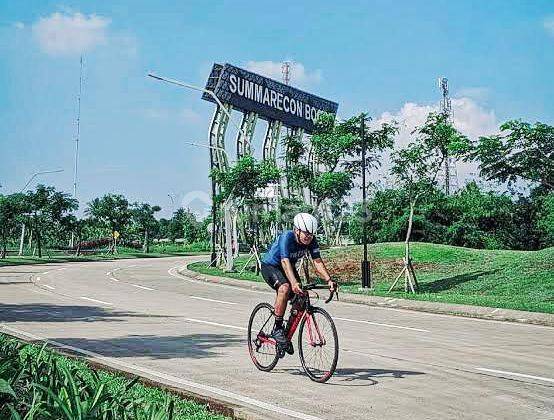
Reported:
(280, 308)
(281, 299)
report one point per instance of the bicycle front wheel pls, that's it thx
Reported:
(261, 346)
(318, 345)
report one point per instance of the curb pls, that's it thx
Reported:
(212, 404)
(468, 311)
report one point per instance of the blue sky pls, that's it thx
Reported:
(374, 56)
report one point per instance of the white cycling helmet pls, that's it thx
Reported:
(305, 222)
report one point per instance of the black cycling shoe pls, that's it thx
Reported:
(290, 349)
(280, 338)
(278, 334)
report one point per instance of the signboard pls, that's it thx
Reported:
(271, 100)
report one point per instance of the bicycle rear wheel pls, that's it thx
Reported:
(261, 347)
(318, 345)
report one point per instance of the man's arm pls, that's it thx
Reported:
(287, 267)
(322, 272)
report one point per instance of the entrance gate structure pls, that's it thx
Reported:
(256, 97)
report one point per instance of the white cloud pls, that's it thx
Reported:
(479, 94)
(299, 76)
(548, 24)
(19, 25)
(60, 34)
(470, 119)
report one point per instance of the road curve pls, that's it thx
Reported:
(143, 316)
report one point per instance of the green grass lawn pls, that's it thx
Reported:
(521, 280)
(123, 253)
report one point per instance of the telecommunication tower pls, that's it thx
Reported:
(450, 171)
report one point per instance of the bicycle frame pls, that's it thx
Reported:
(295, 322)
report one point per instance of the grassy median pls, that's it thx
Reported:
(36, 383)
(521, 280)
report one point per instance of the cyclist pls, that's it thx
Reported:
(279, 270)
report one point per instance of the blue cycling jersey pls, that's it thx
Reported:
(286, 246)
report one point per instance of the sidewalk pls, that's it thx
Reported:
(471, 311)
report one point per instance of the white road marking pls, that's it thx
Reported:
(208, 283)
(38, 278)
(49, 287)
(216, 324)
(521, 375)
(141, 287)
(213, 300)
(114, 279)
(60, 269)
(174, 379)
(95, 300)
(171, 273)
(380, 324)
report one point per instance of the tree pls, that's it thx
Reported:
(336, 146)
(142, 215)
(245, 178)
(417, 166)
(48, 211)
(481, 219)
(11, 207)
(545, 222)
(111, 211)
(520, 151)
(239, 186)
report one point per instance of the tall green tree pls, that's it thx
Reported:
(112, 212)
(11, 208)
(481, 219)
(239, 187)
(521, 151)
(49, 210)
(545, 222)
(416, 167)
(336, 147)
(142, 215)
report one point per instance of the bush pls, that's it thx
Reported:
(472, 218)
(37, 383)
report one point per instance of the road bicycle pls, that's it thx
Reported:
(318, 343)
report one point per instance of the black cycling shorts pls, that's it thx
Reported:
(275, 276)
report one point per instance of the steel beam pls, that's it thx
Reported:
(218, 127)
(271, 140)
(245, 134)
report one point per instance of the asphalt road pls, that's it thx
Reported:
(141, 315)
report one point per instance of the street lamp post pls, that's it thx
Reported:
(365, 265)
(33, 176)
(220, 104)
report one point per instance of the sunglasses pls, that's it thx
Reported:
(307, 234)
